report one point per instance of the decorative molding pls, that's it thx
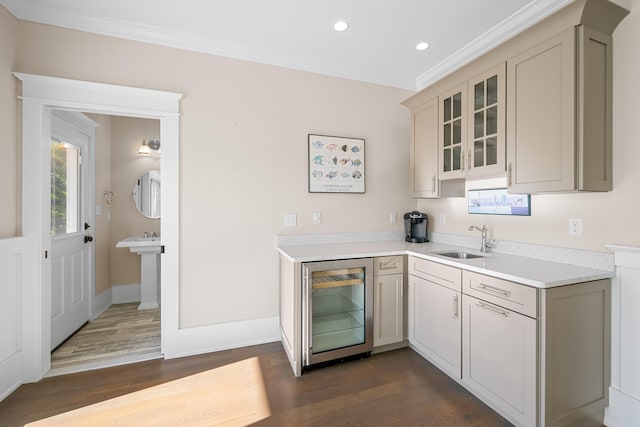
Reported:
(46, 14)
(511, 26)
(122, 294)
(224, 336)
(13, 270)
(41, 94)
(624, 393)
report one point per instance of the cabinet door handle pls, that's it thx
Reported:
(433, 183)
(461, 160)
(493, 290)
(469, 158)
(401, 287)
(392, 265)
(455, 306)
(492, 309)
(509, 175)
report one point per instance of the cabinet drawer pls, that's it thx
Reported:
(385, 265)
(441, 274)
(520, 298)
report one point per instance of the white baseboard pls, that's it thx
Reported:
(10, 378)
(122, 294)
(101, 303)
(623, 410)
(225, 336)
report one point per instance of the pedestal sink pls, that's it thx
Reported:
(149, 250)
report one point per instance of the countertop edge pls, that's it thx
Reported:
(589, 275)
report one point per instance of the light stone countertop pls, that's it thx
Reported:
(528, 271)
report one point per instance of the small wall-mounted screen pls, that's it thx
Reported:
(497, 201)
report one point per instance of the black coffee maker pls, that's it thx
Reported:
(415, 227)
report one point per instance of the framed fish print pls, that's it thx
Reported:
(336, 164)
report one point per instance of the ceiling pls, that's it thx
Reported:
(378, 47)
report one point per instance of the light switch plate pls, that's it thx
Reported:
(317, 218)
(290, 220)
(393, 218)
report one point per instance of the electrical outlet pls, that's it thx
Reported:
(290, 220)
(393, 218)
(317, 218)
(442, 219)
(575, 226)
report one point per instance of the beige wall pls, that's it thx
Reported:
(243, 164)
(607, 217)
(127, 134)
(9, 148)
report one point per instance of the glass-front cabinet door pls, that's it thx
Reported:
(453, 135)
(486, 151)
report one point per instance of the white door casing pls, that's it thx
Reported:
(73, 258)
(40, 95)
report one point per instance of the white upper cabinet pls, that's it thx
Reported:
(559, 114)
(542, 116)
(486, 141)
(424, 150)
(472, 127)
(453, 136)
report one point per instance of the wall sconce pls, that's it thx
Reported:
(149, 144)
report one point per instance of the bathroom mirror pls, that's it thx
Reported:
(146, 194)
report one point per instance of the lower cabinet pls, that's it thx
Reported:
(434, 314)
(499, 357)
(539, 357)
(388, 297)
(434, 324)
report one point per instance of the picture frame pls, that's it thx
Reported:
(336, 164)
(497, 201)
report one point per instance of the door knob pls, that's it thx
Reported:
(88, 239)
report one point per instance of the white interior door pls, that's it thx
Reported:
(71, 246)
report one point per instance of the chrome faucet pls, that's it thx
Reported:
(484, 245)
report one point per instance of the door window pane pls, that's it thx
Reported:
(492, 90)
(447, 134)
(492, 151)
(492, 120)
(478, 130)
(456, 158)
(479, 96)
(447, 160)
(457, 105)
(478, 153)
(447, 109)
(457, 132)
(65, 188)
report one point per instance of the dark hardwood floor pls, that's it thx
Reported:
(396, 388)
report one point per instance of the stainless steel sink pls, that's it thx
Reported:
(459, 255)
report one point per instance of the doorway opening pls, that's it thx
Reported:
(40, 96)
(123, 327)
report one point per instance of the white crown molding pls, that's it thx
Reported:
(27, 11)
(515, 24)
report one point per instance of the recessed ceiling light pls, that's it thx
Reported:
(340, 26)
(422, 46)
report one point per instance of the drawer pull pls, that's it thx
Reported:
(493, 290)
(388, 265)
(493, 309)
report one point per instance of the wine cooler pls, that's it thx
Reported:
(337, 309)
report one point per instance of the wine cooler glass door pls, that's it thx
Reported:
(337, 310)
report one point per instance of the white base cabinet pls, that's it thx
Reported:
(388, 300)
(499, 358)
(434, 314)
(539, 357)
